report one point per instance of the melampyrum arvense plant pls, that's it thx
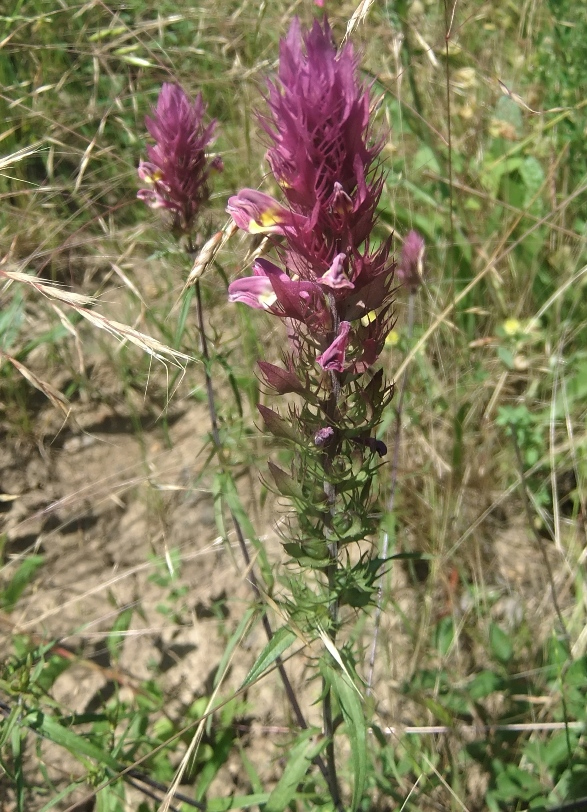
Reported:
(332, 285)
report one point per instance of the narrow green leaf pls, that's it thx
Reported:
(285, 484)
(438, 710)
(77, 745)
(281, 640)
(120, 625)
(277, 425)
(20, 580)
(60, 796)
(354, 717)
(183, 317)
(227, 490)
(232, 643)
(16, 742)
(300, 758)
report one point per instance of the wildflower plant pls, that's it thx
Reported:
(332, 285)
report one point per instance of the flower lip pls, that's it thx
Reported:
(334, 277)
(258, 213)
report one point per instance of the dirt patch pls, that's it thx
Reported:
(121, 508)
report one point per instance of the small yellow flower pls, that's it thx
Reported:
(511, 327)
(392, 339)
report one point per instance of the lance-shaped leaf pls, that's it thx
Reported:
(280, 642)
(286, 485)
(349, 700)
(309, 745)
(281, 380)
(278, 426)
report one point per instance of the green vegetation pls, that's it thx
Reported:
(134, 647)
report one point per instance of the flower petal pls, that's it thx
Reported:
(257, 212)
(334, 277)
(254, 291)
(333, 358)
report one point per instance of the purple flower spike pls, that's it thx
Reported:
(327, 165)
(410, 270)
(334, 357)
(178, 168)
(320, 119)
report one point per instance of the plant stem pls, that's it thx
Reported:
(393, 487)
(252, 578)
(331, 570)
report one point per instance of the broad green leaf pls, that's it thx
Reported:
(300, 758)
(354, 717)
(281, 640)
(484, 684)
(500, 643)
(425, 159)
(533, 177)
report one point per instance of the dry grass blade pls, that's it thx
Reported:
(57, 399)
(48, 290)
(19, 155)
(208, 252)
(146, 343)
(124, 332)
(359, 15)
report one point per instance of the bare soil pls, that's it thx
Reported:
(117, 504)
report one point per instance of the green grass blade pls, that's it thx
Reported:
(237, 802)
(354, 717)
(300, 758)
(281, 640)
(77, 745)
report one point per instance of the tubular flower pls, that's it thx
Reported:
(327, 166)
(176, 174)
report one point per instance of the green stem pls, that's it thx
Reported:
(331, 571)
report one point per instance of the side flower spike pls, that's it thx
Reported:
(176, 174)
